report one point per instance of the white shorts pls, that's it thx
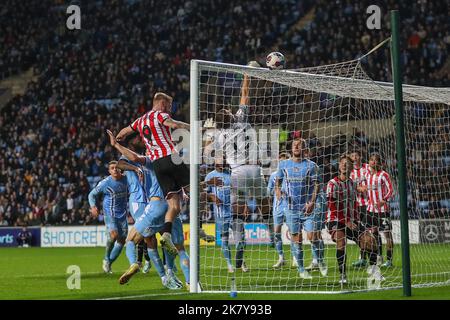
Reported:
(247, 181)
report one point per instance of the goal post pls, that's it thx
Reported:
(401, 151)
(336, 109)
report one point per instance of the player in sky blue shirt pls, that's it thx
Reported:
(278, 211)
(300, 176)
(137, 201)
(218, 188)
(150, 222)
(114, 189)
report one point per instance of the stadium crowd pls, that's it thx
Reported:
(339, 33)
(52, 138)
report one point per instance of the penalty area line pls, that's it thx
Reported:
(146, 296)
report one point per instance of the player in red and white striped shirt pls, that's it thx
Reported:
(380, 191)
(343, 219)
(154, 128)
(359, 175)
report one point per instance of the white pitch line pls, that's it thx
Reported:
(146, 295)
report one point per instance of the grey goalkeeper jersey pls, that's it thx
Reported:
(239, 143)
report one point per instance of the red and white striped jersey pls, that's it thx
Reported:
(341, 200)
(379, 188)
(155, 135)
(360, 176)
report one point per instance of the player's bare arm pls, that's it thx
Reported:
(244, 91)
(174, 124)
(125, 166)
(361, 189)
(129, 154)
(213, 198)
(278, 188)
(216, 182)
(311, 204)
(94, 212)
(125, 132)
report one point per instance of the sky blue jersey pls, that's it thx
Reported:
(135, 187)
(300, 178)
(152, 187)
(115, 196)
(278, 205)
(223, 193)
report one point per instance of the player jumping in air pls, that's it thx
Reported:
(236, 139)
(114, 189)
(300, 178)
(380, 192)
(154, 128)
(150, 222)
(137, 198)
(343, 220)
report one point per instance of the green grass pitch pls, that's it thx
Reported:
(40, 273)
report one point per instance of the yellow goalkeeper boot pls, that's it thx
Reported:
(132, 270)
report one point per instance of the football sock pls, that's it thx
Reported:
(170, 260)
(154, 256)
(140, 251)
(389, 254)
(340, 256)
(115, 253)
(184, 264)
(298, 254)
(240, 246)
(167, 227)
(109, 247)
(130, 251)
(226, 250)
(380, 245)
(146, 257)
(278, 243)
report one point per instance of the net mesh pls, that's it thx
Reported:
(336, 109)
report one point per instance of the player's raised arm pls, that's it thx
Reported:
(129, 154)
(125, 132)
(174, 124)
(126, 166)
(244, 91)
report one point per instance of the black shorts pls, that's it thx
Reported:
(171, 177)
(350, 234)
(363, 216)
(380, 220)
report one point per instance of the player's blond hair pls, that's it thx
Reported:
(161, 96)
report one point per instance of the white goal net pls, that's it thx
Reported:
(247, 117)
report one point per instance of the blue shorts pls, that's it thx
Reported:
(295, 221)
(316, 221)
(177, 232)
(278, 217)
(223, 226)
(152, 220)
(118, 224)
(136, 209)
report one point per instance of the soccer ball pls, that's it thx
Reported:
(275, 60)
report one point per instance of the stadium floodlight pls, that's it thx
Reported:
(336, 109)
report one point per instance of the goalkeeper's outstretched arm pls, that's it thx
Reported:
(244, 91)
